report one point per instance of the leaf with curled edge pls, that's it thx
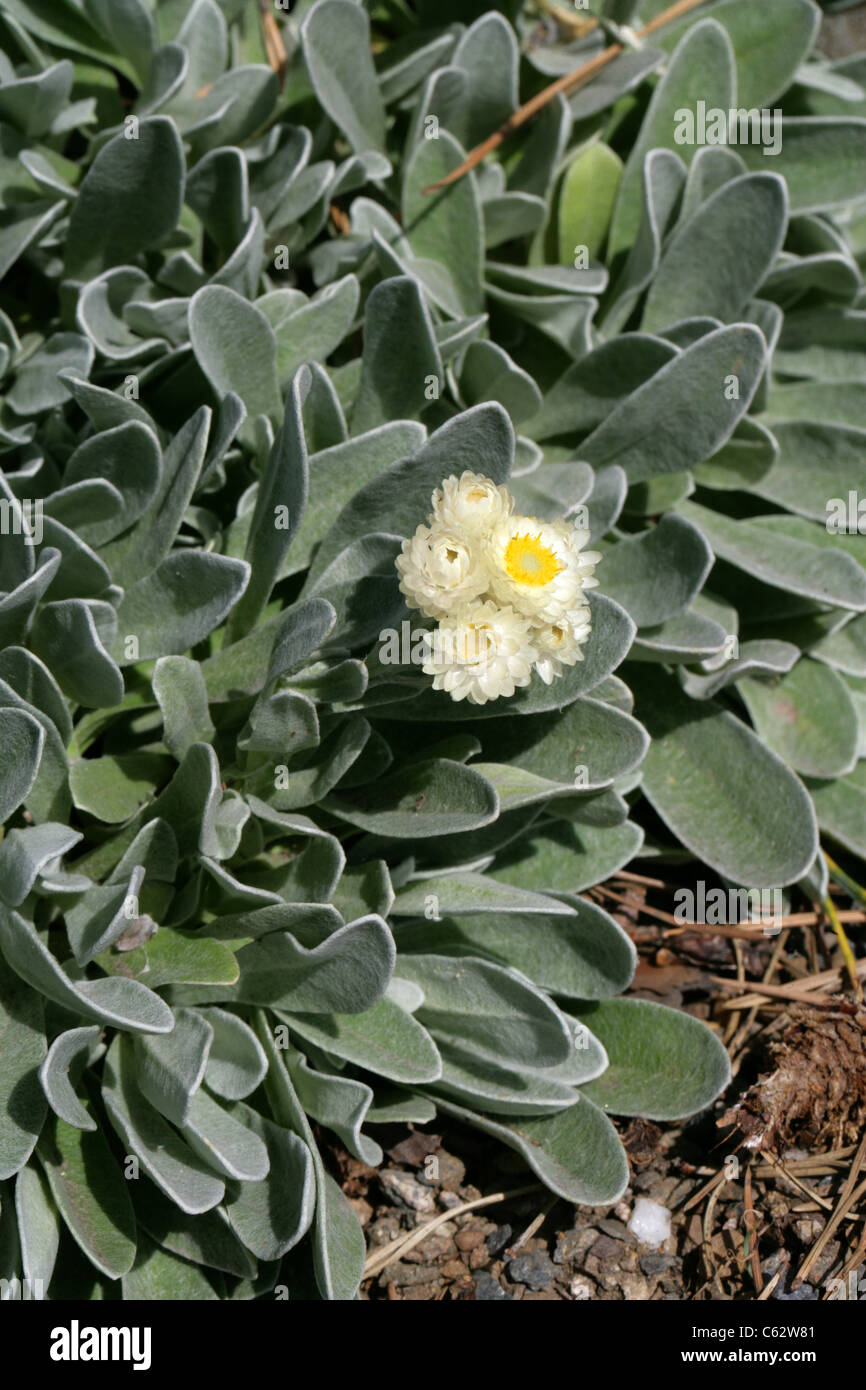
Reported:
(62, 1068)
(123, 1004)
(163, 1154)
(23, 1047)
(21, 742)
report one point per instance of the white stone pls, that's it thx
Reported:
(650, 1222)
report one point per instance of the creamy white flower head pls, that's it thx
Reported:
(472, 503)
(481, 653)
(440, 570)
(558, 644)
(539, 566)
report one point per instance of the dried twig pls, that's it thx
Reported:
(565, 84)
(813, 1166)
(742, 932)
(855, 1259)
(847, 1198)
(812, 989)
(779, 1166)
(401, 1245)
(751, 1222)
(655, 912)
(275, 49)
(733, 1021)
(765, 1293)
(535, 1224)
(715, 1181)
(628, 877)
(709, 1255)
(755, 932)
(742, 1036)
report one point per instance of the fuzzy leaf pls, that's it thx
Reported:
(807, 717)
(477, 1002)
(346, 974)
(236, 1064)
(21, 740)
(730, 800)
(178, 685)
(651, 433)
(121, 1003)
(64, 1062)
(434, 797)
(170, 1069)
(437, 225)
(400, 355)
(236, 349)
(91, 1194)
(663, 1063)
(130, 199)
(280, 503)
(271, 1216)
(38, 1225)
(177, 605)
(717, 261)
(576, 1153)
(164, 1156)
(384, 1040)
(336, 44)
(22, 1040)
(701, 69)
(580, 952)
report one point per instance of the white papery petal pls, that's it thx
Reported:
(481, 653)
(508, 591)
(562, 570)
(471, 504)
(559, 644)
(440, 570)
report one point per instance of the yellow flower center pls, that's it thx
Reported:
(529, 562)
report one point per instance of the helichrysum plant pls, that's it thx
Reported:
(268, 871)
(508, 591)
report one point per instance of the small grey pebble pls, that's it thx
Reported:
(615, 1229)
(535, 1270)
(449, 1200)
(804, 1293)
(487, 1289)
(406, 1191)
(657, 1264)
(498, 1239)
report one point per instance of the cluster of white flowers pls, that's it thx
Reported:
(508, 591)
